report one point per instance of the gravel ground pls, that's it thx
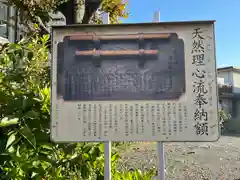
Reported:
(189, 161)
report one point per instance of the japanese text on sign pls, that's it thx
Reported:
(199, 86)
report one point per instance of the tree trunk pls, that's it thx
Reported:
(68, 10)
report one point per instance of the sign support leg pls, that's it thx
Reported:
(160, 145)
(107, 145)
(107, 160)
(161, 160)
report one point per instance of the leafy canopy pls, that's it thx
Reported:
(37, 12)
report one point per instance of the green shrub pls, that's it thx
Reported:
(232, 126)
(26, 151)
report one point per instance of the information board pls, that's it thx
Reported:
(134, 82)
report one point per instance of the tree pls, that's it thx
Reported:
(26, 151)
(75, 11)
(25, 147)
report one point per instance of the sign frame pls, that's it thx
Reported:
(62, 131)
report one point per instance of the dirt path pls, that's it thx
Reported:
(190, 161)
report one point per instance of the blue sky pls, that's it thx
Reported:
(226, 14)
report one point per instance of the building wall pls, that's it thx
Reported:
(226, 105)
(230, 78)
(237, 113)
(220, 80)
(227, 76)
(236, 82)
(3, 17)
(9, 31)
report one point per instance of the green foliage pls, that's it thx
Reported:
(232, 126)
(116, 9)
(223, 117)
(37, 11)
(134, 175)
(26, 151)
